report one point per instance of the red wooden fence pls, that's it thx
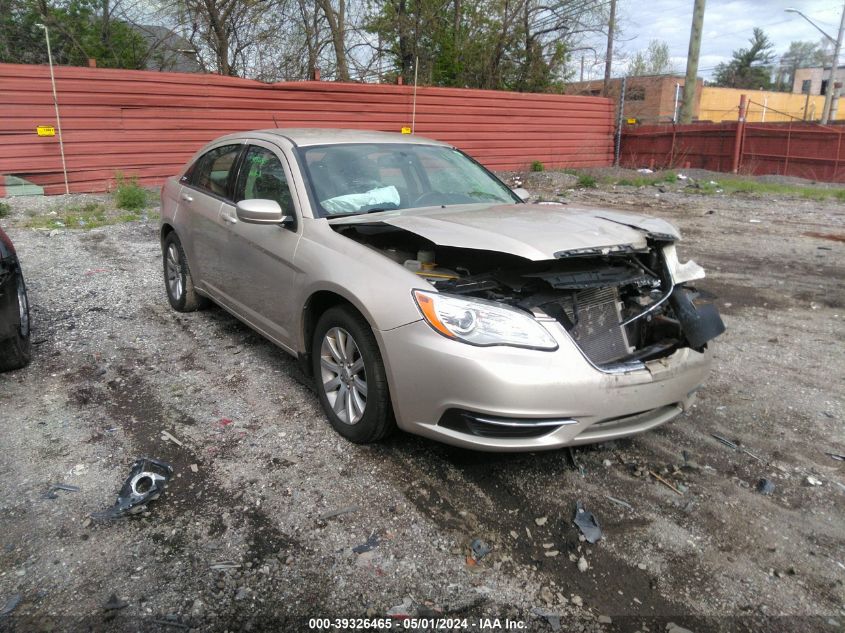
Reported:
(147, 124)
(807, 150)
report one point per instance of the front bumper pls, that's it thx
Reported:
(431, 376)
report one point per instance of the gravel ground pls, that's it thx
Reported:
(241, 539)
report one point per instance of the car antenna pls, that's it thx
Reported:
(414, 111)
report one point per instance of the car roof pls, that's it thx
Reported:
(304, 137)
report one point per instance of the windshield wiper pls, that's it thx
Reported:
(349, 215)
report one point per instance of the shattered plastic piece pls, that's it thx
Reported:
(11, 604)
(167, 436)
(587, 523)
(552, 618)
(147, 480)
(645, 170)
(370, 544)
(765, 487)
(401, 611)
(480, 549)
(51, 493)
(813, 481)
(836, 456)
(114, 603)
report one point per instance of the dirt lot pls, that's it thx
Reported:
(257, 467)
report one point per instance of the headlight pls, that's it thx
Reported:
(480, 322)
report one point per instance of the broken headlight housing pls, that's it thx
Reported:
(480, 322)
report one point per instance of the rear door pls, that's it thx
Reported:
(205, 187)
(260, 257)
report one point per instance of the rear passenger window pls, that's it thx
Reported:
(211, 171)
(262, 176)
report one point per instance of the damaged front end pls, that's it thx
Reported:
(622, 305)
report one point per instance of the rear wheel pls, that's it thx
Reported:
(177, 277)
(16, 351)
(350, 378)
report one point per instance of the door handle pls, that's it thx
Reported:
(187, 198)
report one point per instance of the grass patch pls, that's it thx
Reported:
(536, 165)
(88, 216)
(586, 181)
(128, 194)
(5, 209)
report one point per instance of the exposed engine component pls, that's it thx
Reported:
(619, 306)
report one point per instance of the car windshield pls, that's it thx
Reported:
(368, 177)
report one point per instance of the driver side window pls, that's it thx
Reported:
(262, 176)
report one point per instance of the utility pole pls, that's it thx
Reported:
(692, 62)
(611, 25)
(831, 83)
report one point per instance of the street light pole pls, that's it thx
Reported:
(834, 66)
(56, 105)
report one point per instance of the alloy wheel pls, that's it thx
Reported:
(343, 376)
(174, 272)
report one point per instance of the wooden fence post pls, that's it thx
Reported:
(740, 127)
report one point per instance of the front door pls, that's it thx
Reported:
(260, 257)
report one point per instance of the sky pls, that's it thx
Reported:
(728, 26)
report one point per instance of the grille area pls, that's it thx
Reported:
(496, 427)
(597, 331)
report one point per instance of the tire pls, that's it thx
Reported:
(16, 351)
(178, 282)
(342, 336)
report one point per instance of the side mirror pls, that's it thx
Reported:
(522, 194)
(259, 211)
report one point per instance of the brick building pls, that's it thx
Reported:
(650, 99)
(813, 81)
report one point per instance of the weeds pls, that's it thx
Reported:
(586, 181)
(537, 166)
(91, 215)
(5, 209)
(128, 194)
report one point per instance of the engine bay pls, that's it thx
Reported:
(619, 306)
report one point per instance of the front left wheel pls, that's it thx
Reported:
(16, 351)
(350, 378)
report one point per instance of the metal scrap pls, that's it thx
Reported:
(51, 493)
(619, 502)
(587, 523)
(147, 480)
(836, 456)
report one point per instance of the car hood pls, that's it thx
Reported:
(533, 231)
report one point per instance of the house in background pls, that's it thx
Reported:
(649, 98)
(169, 51)
(813, 81)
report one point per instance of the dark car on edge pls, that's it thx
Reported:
(15, 346)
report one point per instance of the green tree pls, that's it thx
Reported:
(749, 67)
(79, 30)
(799, 55)
(655, 60)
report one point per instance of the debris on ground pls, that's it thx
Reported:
(664, 482)
(147, 480)
(550, 616)
(114, 603)
(224, 564)
(11, 604)
(587, 523)
(583, 565)
(480, 549)
(51, 493)
(765, 487)
(370, 544)
(836, 456)
(541, 520)
(736, 446)
(336, 513)
(168, 436)
(402, 611)
(813, 481)
(619, 502)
